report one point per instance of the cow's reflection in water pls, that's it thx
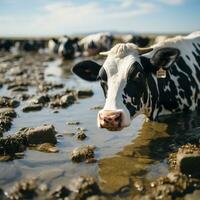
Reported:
(147, 154)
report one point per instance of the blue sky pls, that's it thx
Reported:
(57, 17)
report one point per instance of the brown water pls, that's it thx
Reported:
(138, 152)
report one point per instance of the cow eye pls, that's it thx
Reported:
(139, 75)
(135, 76)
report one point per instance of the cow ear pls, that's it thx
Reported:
(87, 70)
(165, 57)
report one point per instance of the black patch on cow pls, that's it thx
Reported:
(132, 109)
(154, 96)
(135, 88)
(147, 65)
(181, 93)
(102, 77)
(104, 86)
(196, 48)
(187, 57)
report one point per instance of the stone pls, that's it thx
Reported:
(47, 147)
(80, 154)
(41, 99)
(23, 190)
(30, 108)
(10, 112)
(83, 187)
(41, 134)
(20, 89)
(67, 100)
(172, 186)
(8, 102)
(186, 160)
(60, 192)
(73, 123)
(81, 135)
(84, 93)
(12, 144)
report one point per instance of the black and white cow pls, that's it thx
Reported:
(67, 47)
(140, 41)
(6, 45)
(94, 43)
(53, 45)
(64, 46)
(130, 80)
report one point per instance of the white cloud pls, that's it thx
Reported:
(172, 2)
(87, 17)
(63, 17)
(67, 17)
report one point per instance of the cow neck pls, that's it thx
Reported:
(150, 97)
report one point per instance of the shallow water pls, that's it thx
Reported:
(137, 152)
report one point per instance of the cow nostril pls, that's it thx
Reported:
(106, 120)
(118, 118)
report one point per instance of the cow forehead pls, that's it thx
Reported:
(119, 66)
(120, 58)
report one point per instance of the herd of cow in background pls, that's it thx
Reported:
(71, 47)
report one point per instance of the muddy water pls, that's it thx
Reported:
(139, 152)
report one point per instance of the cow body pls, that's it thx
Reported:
(179, 90)
(141, 41)
(131, 85)
(93, 44)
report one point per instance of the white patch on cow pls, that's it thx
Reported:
(101, 41)
(51, 46)
(129, 100)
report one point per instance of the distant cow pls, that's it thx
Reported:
(53, 45)
(162, 79)
(140, 41)
(67, 47)
(6, 44)
(31, 45)
(93, 44)
(64, 46)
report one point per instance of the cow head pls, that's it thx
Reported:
(67, 47)
(124, 78)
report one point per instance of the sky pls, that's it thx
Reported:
(58, 17)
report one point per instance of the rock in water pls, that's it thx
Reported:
(186, 160)
(80, 154)
(81, 135)
(10, 112)
(60, 193)
(84, 93)
(172, 186)
(41, 134)
(23, 190)
(83, 187)
(34, 107)
(47, 147)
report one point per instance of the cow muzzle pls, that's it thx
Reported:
(110, 119)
